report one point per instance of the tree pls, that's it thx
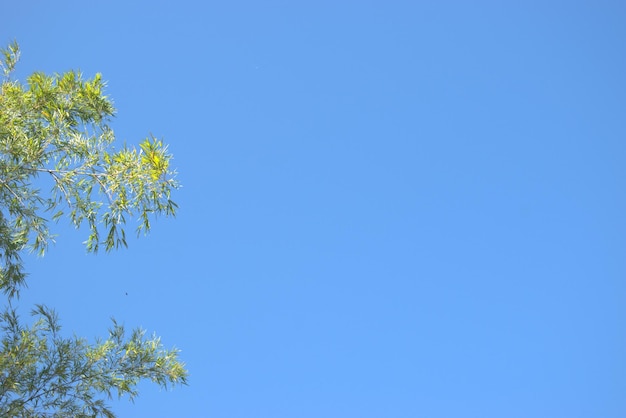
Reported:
(56, 128)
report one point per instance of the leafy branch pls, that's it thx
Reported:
(59, 125)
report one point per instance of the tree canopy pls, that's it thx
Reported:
(54, 130)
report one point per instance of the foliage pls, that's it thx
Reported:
(55, 129)
(43, 374)
(57, 126)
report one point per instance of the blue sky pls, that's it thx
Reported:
(390, 209)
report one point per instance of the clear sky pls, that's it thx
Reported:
(390, 208)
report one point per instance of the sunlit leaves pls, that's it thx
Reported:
(9, 58)
(45, 374)
(56, 128)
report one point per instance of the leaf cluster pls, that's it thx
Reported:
(57, 127)
(43, 374)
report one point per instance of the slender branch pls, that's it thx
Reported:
(5, 185)
(81, 173)
(57, 180)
